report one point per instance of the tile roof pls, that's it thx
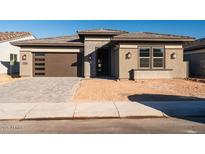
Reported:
(6, 36)
(101, 31)
(151, 36)
(118, 36)
(53, 41)
(198, 44)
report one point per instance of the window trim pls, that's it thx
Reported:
(163, 57)
(151, 58)
(145, 57)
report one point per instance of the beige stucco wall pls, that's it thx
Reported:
(90, 46)
(178, 65)
(126, 65)
(26, 66)
(174, 68)
(153, 74)
(121, 66)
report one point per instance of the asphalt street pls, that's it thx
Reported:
(106, 126)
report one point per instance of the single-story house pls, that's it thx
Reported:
(107, 53)
(9, 54)
(195, 54)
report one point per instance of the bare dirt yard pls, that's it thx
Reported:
(140, 90)
(7, 78)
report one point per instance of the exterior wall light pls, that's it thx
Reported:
(24, 57)
(173, 55)
(128, 55)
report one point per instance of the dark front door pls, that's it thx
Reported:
(103, 63)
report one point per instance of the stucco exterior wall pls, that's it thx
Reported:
(174, 68)
(126, 65)
(90, 46)
(26, 66)
(196, 60)
(152, 74)
(5, 50)
(121, 66)
(179, 66)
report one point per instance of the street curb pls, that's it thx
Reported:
(107, 117)
(90, 118)
(84, 118)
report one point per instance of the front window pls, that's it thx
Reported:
(151, 57)
(144, 57)
(13, 59)
(158, 57)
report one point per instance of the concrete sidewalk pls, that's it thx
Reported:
(83, 110)
(23, 111)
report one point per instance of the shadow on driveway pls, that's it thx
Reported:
(183, 107)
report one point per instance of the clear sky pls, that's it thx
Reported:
(51, 28)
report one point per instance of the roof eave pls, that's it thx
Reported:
(49, 44)
(194, 48)
(148, 39)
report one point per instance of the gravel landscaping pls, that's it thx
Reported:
(7, 78)
(140, 90)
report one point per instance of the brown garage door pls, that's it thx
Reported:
(57, 64)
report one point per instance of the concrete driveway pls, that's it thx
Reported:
(39, 90)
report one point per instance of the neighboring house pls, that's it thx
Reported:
(195, 54)
(9, 54)
(107, 53)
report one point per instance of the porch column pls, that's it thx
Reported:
(90, 63)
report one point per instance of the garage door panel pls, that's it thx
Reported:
(62, 64)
